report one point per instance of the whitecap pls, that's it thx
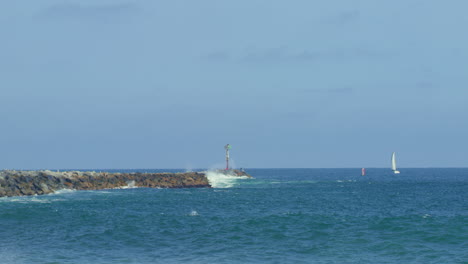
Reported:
(30, 199)
(193, 213)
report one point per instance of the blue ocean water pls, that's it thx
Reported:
(281, 216)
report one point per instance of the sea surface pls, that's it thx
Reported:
(281, 216)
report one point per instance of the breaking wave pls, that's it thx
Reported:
(62, 191)
(221, 180)
(130, 185)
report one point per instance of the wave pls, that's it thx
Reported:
(221, 180)
(130, 185)
(29, 199)
(62, 191)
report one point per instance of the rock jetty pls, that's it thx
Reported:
(19, 183)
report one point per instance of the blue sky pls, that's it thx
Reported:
(166, 84)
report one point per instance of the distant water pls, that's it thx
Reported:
(281, 216)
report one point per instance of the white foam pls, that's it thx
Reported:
(63, 191)
(193, 213)
(29, 199)
(101, 191)
(130, 185)
(221, 180)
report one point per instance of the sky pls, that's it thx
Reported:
(95, 84)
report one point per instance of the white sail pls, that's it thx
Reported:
(394, 164)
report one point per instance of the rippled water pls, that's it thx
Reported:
(281, 216)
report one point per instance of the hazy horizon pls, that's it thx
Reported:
(246, 168)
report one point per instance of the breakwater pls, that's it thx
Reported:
(19, 183)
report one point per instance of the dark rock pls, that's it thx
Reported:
(17, 183)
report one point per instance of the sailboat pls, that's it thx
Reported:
(394, 164)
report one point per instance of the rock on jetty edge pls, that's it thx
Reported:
(20, 183)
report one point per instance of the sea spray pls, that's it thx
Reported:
(219, 179)
(62, 191)
(130, 185)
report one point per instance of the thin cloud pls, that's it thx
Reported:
(342, 90)
(339, 90)
(285, 55)
(217, 56)
(299, 115)
(94, 12)
(279, 54)
(343, 18)
(307, 56)
(426, 85)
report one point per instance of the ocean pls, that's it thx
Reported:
(280, 216)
